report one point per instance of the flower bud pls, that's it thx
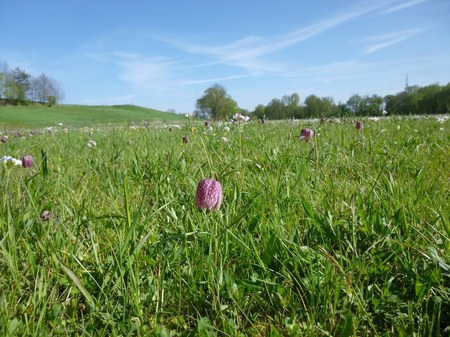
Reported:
(45, 216)
(185, 140)
(359, 125)
(209, 194)
(27, 161)
(4, 139)
(306, 134)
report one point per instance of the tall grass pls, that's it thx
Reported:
(347, 235)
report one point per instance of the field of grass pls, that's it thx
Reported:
(345, 235)
(78, 115)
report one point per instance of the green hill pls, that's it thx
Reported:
(78, 115)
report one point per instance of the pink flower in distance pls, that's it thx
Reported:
(45, 215)
(359, 125)
(306, 134)
(4, 139)
(209, 194)
(27, 161)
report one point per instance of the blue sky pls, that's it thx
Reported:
(165, 54)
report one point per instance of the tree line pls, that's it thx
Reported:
(216, 103)
(19, 87)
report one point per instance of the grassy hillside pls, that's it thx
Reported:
(77, 115)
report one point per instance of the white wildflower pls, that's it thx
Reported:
(238, 118)
(10, 161)
(91, 143)
(442, 119)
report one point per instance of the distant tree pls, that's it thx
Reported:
(291, 104)
(354, 104)
(443, 99)
(428, 103)
(403, 103)
(14, 84)
(342, 110)
(393, 104)
(19, 85)
(4, 73)
(275, 109)
(259, 112)
(46, 90)
(319, 107)
(371, 105)
(216, 103)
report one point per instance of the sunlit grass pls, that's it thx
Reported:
(346, 235)
(41, 116)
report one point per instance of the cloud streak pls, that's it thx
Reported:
(386, 40)
(247, 52)
(403, 6)
(248, 56)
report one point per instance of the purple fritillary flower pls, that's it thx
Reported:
(45, 216)
(4, 139)
(185, 140)
(359, 125)
(209, 194)
(27, 161)
(306, 134)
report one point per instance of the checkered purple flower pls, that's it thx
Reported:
(209, 194)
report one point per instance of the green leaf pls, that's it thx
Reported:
(308, 209)
(347, 328)
(44, 164)
(79, 284)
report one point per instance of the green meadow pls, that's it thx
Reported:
(345, 235)
(40, 116)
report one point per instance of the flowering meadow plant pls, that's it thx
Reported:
(238, 118)
(359, 125)
(10, 161)
(306, 134)
(91, 143)
(27, 161)
(209, 194)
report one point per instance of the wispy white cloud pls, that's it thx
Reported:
(140, 70)
(214, 80)
(246, 57)
(247, 52)
(403, 6)
(157, 74)
(389, 39)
